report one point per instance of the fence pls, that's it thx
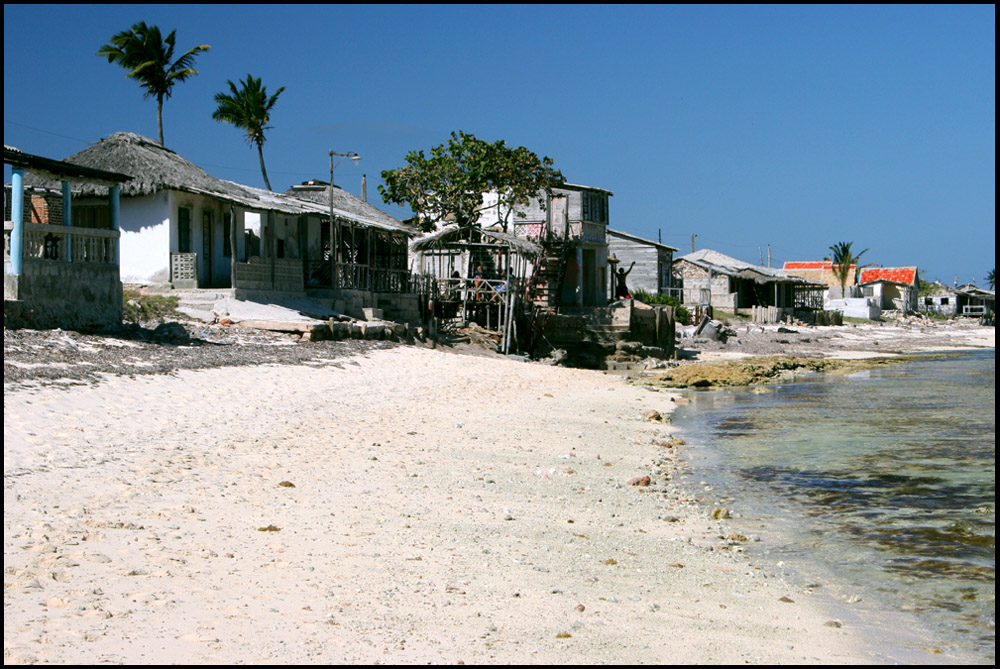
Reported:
(65, 243)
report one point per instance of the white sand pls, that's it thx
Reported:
(445, 509)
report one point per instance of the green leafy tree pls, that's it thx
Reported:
(148, 58)
(248, 107)
(842, 257)
(991, 279)
(450, 183)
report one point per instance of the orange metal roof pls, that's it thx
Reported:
(822, 264)
(906, 275)
(809, 264)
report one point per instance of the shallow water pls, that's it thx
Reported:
(878, 487)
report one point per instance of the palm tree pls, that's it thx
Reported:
(249, 109)
(842, 258)
(991, 279)
(148, 58)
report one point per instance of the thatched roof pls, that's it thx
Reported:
(453, 236)
(58, 170)
(348, 207)
(153, 168)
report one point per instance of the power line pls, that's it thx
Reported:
(46, 132)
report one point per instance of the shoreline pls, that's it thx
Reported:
(901, 635)
(440, 508)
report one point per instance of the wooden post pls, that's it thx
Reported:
(271, 244)
(233, 255)
(113, 194)
(67, 201)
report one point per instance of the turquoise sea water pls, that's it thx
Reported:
(877, 488)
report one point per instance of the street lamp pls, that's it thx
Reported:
(353, 156)
(335, 238)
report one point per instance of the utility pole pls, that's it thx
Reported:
(692, 242)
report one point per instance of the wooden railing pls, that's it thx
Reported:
(65, 243)
(322, 274)
(578, 231)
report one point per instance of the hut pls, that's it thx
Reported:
(710, 278)
(653, 262)
(179, 224)
(476, 274)
(891, 288)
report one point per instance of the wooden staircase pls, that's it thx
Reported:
(549, 275)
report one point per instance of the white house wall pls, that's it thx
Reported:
(145, 239)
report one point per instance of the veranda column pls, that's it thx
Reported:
(113, 194)
(67, 200)
(17, 214)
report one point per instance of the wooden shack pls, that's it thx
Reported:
(653, 262)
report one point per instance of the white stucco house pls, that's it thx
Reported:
(181, 227)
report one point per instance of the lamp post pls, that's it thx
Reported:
(335, 240)
(344, 156)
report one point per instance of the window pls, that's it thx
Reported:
(184, 230)
(595, 207)
(91, 216)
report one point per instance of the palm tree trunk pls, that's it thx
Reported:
(159, 118)
(260, 155)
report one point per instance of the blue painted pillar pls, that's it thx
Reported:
(113, 194)
(67, 219)
(579, 276)
(17, 214)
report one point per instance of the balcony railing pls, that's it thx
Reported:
(579, 231)
(65, 243)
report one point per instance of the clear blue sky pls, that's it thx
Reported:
(782, 126)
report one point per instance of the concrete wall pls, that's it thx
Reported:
(856, 307)
(145, 239)
(64, 295)
(263, 274)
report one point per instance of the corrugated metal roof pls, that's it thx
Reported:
(720, 263)
(626, 235)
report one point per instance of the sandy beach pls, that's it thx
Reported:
(392, 504)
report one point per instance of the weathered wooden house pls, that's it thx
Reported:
(652, 272)
(363, 249)
(974, 301)
(571, 226)
(940, 299)
(710, 278)
(60, 270)
(892, 288)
